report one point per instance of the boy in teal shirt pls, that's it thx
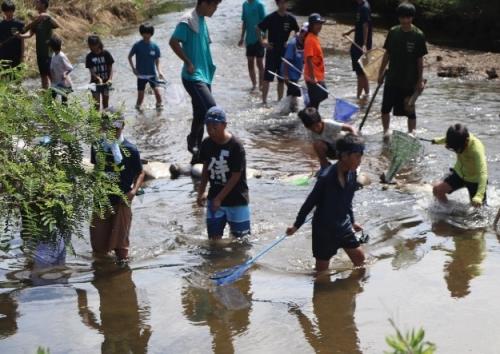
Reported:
(253, 13)
(191, 43)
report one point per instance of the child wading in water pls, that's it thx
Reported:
(224, 166)
(470, 170)
(100, 64)
(314, 62)
(333, 223)
(60, 68)
(147, 65)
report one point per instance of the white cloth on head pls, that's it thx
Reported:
(114, 147)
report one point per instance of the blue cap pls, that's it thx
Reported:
(215, 115)
(316, 18)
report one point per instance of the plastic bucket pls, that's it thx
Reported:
(344, 110)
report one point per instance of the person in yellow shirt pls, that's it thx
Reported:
(470, 170)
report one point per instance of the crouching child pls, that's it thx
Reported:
(224, 166)
(470, 170)
(119, 157)
(333, 224)
(324, 134)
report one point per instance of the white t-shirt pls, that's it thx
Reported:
(330, 134)
(58, 66)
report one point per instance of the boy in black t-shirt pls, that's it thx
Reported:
(100, 64)
(11, 47)
(224, 166)
(278, 26)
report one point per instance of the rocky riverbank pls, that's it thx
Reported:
(441, 61)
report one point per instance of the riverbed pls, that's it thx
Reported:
(429, 266)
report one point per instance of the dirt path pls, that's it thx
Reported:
(440, 61)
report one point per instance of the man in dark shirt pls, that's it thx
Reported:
(224, 166)
(120, 158)
(11, 47)
(278, 26)
(333, 223)
(363, 39)
(405, 49)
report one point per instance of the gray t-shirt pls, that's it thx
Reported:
(330, 134)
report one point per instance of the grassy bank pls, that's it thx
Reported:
(461, 23)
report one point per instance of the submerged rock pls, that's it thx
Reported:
(453, 71)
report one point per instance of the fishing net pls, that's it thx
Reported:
(404, 148)
(370, 63)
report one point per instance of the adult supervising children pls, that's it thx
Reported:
(294, 54)
(324, 134)
(363, 38)
(333, 224)
(314, 63)
(470, 170)
(147, 65)
(253, 13)
(405, 49)
(11, 47)
(42, 27)
(120, 157)
(277, 27)
(224, 166)
(191, 43)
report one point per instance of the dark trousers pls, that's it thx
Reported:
(201, 100)
(316, 94)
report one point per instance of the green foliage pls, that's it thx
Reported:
(409, 343)
(42, 350)
(45, 192)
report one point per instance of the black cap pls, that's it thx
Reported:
(316, 18)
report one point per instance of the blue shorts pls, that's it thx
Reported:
(238, 218)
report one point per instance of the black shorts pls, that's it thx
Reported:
(293, 90)
(355, 55)
(331, 151)
(316, 94)
(43, 65)
(141, 83)
(273, 63)
(394, 100)
(255, 50)
(325, 245)
(456, 183)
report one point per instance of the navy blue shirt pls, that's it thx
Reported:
(363, 15)
(128, 169)
(332, 201)
(145, 57)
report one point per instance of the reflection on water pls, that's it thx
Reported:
(466, 258)
(8, 314)
(334, 303)
(225, 310)
(122, 320)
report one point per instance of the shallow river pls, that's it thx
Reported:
(432, 267)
